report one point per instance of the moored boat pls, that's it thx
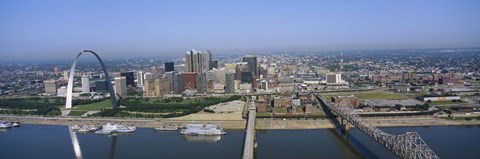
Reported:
(5, 125)
(125, 129)
(88, 128)
(202, 129)
(15, 124)
(115, 128)
(166, 128)
(75, 127)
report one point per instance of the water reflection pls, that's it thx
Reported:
(76, 145)
(112, 147)
(200, 138)
(349, 142)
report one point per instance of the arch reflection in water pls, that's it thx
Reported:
(76, 145)
(200, 138)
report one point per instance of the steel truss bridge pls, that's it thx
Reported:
(407, 145)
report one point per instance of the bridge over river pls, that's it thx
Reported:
(408, 145)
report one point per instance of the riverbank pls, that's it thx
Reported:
(143, 123)
(239, 124)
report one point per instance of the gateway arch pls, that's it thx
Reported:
(68, 103)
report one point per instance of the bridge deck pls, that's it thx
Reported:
(250, 132)
(407, 145)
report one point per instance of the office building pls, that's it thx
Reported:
(212, 65)
(129, 77)
(121, 86)
(230, 82)
(334, 78)
(156, 87)
(162, 87)
(148, 76)
(140, 78)
(169, 67)
(50, 87)
(252, 63)
(101, 85)
(239, 68)
(178, 84)
(206, 57)
(85, 84)
(66, 74)
(201, 82)
(169, 76)
(193, 61)
(246, 77)
(190, 80)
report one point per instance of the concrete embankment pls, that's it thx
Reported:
(238, 124)
(293, 124)
(144, 123)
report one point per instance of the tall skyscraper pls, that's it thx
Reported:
(121, 86)
(196, 61)
(230, 82)
(206, 57)
(178, 85)
(252, 63)
(202, 83)
(169, 66)
(130, 78)
(50, 87)
(140, 78)
(85, 84)
(169, 76)
(193, 61)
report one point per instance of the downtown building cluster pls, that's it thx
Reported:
(200, 75)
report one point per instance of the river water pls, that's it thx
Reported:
(45, 141)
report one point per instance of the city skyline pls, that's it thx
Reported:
(56, 29)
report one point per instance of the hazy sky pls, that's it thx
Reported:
(46, 29)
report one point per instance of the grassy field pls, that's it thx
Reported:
(280, 110)
(369, 95)
(77, 113)
(415, 94)
(264, 115)
(94, 106)
(443, 103)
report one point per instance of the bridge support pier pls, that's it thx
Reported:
(345, 125)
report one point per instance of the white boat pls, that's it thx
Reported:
(5, 125)
(202, 129)
(103, 132)
(15, 124)
(125, 129)
(115, 128)
(167, 128)
(75, 127)
(88, 128)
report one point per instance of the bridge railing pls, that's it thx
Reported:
(408, 145)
